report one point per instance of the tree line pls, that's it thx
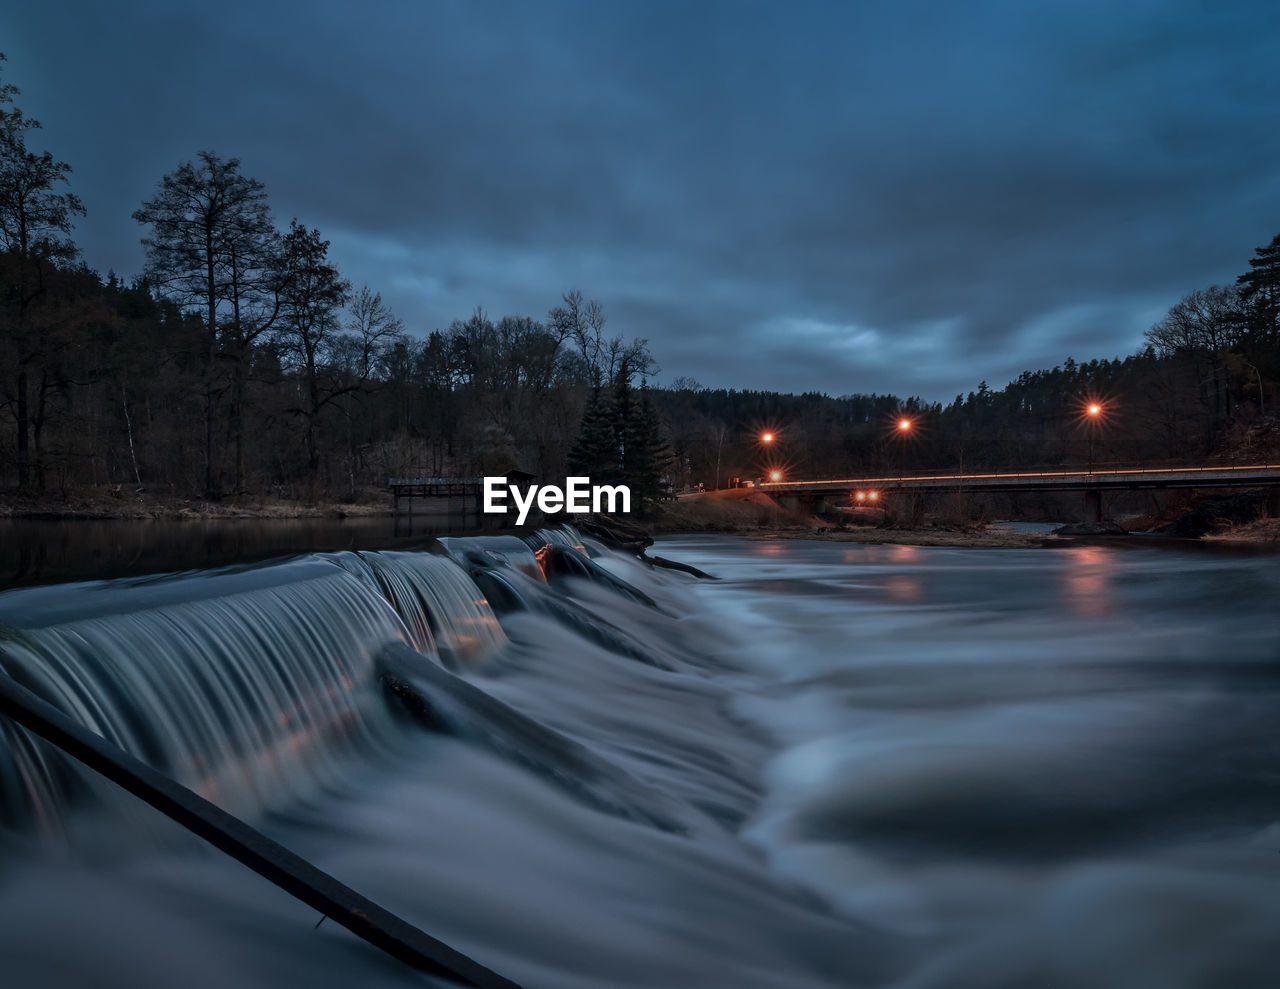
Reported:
(241, 361)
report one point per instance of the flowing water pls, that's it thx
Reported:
(837, 765)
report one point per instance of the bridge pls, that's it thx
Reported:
(1091, 481)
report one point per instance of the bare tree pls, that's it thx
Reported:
(312, 294)
(1200, 329)
(213, 247)
(36, 220)
(583, 323)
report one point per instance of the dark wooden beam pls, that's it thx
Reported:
(272, 861)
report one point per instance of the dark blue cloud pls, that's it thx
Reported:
(901, 197)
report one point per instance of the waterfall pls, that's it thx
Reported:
(248, 685)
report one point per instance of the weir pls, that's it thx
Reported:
(234, 691)
(653, 781)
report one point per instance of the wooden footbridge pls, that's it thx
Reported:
(1092, 481)
(448, 494)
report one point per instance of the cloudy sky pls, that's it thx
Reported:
(853, 196)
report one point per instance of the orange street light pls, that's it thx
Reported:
(861, 496)
(775, 475)
(1093, 411)
(874, 495)
(766, 437)
(905, 425)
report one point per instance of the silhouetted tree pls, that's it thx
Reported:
(595, 453)
(36, 219)
(1260, 290)
(312, 294)
(213, 247)
(648, 455)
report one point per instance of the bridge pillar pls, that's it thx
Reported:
(790, 502)
(1093, 505)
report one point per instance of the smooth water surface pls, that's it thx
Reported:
(44, 551)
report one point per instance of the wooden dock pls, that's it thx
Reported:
(444, 494)
(436, 494)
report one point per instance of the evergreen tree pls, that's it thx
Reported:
(648, 455)
(1260, 293)
(595, 452)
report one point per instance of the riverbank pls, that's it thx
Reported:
(1261, 532)
(102, 505)
(744, 512)
(754, 515)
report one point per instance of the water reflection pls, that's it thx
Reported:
(1087, 582)
(48, 551)
(905, 554)
(905, 588)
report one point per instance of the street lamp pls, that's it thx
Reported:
(766, 438)
(903, 429)
(1093, 414)
(775, 475)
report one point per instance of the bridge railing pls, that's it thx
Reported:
(1097, 467)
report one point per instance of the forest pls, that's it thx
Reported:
(241, 363)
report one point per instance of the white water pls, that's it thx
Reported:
(840, 765)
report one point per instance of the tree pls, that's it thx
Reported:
(595, 453)
(312, 293)
(1260, 291)
(1200, 329)
(648, 455)
(36, 219)
(1259, 340)
(213, 247)
(374, 342)
(603, 357)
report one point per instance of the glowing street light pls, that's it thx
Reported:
(766, 437)
(1092, 416)
(905, 425)
(775, 475)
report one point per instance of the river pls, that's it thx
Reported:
(836, 765)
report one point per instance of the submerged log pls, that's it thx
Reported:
(272, 861)
(661, 561)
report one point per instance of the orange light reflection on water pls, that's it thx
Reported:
(1087, 582)
(905, 589)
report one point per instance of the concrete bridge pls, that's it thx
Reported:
(1092, 481)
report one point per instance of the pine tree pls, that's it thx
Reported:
(1260, 292)
(595, 452)
(648, 456)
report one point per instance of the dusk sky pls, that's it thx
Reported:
(845, 197)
